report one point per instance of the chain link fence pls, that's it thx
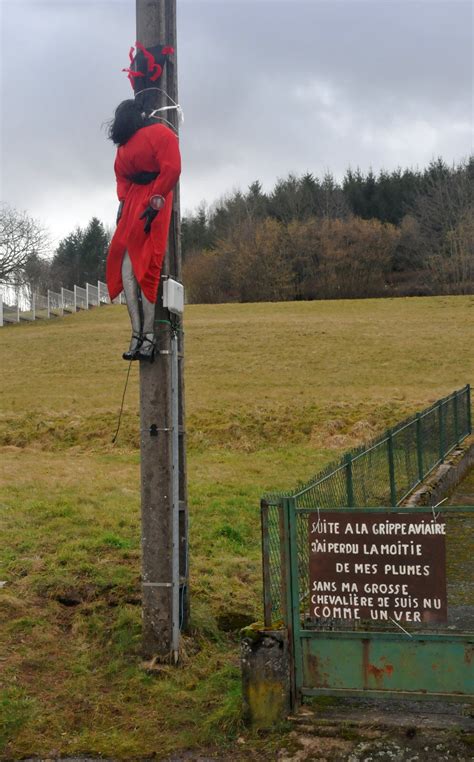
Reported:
(19, 303)
(380, 473)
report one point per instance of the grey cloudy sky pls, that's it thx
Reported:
(267, 87)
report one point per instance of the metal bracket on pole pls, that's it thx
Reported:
(175, 483)
(157, 584)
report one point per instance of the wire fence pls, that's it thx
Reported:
(103, 292)
(69, 302)
(20, 302)
(55, 304)
(92, 295)
(380, 473)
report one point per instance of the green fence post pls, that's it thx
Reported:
(419, 447)
(266, 569)
(469, 422)
(391, 469)
(285, 563)
(456, 417)
(295, 601)
(349, 481)
(441, 431)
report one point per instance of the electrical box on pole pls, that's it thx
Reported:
(162, 434)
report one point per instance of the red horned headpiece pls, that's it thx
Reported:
(146, 66)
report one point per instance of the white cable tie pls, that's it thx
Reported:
(401, 628)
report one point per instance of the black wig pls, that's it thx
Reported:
(129, 117)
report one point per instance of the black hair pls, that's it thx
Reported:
(127, 120)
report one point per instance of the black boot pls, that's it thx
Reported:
(133, 350)
(147, 348)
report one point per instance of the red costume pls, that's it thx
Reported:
(151, 149)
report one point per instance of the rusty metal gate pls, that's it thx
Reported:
(334, 655)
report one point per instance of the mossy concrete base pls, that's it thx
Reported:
(445, 477)
(266, 686)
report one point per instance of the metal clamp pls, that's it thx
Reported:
(154, 429)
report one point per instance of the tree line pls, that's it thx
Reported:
(404, 232)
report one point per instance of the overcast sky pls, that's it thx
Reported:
(267, 87)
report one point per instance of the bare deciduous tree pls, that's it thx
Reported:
(443, 202)
(21, 238)
(454, 273)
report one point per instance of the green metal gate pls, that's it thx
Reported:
(336, 657)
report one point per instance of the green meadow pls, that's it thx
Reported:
(273, 393)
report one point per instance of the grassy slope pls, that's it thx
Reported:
(273, 392)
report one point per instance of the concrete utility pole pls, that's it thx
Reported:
(162, 601)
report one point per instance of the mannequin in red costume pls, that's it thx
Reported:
(147, 168)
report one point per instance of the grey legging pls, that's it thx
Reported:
(132, 294)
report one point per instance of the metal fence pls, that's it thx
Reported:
(55, 304)
(40, 304)
(18, 302)
(80, 296)
(92, 295)
(69, 301)
(103, 292)
(337, 651)
(9, 313)
(380, 473)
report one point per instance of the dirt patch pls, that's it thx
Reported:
(363, 735)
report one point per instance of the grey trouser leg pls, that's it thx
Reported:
(130, 288)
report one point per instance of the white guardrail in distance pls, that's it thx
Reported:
(103, 293)
(80, 295)
(92, 295)
(10, 313)
(69, 300)
(20, 303)
(41, 306)
(55, 304)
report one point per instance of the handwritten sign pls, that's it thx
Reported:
(378, 567)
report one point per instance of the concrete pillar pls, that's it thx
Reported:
(266, 676)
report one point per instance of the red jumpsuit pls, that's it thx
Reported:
(150, 149)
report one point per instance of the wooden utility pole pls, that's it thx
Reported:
(156, 24)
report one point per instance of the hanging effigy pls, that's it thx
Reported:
(147, 168)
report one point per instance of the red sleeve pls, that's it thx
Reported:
(123, 183)
(165, 149)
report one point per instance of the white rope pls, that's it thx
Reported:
(174, 107)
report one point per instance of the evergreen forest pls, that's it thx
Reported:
(399, 233)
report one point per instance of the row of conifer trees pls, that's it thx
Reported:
(404, 232)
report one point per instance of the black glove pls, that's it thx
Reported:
(149, 215)
(119, 212)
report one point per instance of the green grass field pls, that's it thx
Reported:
(273, 392)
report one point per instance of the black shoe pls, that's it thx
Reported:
(147, 349)
(135, 344)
